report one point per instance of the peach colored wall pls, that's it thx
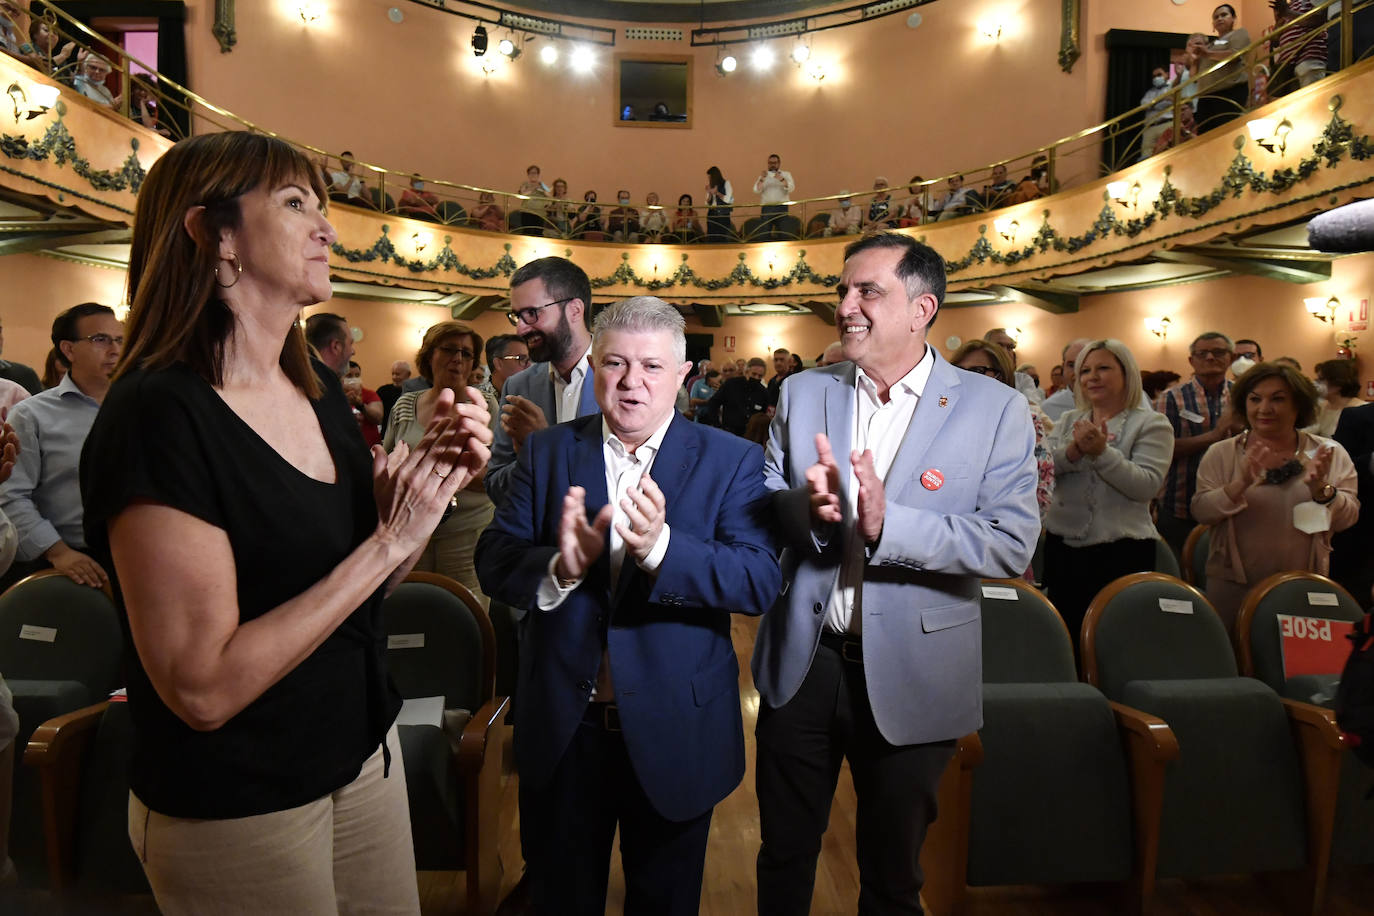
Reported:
(34, 289)
(898, 100)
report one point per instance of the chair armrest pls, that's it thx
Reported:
(479, 765)
(1320, 748)
(56, 750)
(1150, 745)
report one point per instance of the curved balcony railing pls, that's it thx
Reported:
(173, 111)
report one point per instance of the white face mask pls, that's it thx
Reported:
(1160, 82)
(1241, 365)
(1322, 389)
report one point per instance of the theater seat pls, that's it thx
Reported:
(1236, 800)
(1260, 654)
(440, 643)
(1195, 550)
(1060, 786)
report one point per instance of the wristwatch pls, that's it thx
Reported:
(1328, 494)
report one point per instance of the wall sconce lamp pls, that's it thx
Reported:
(29, 105)
(1270, 134)
(991, 29)
(421, 241)
(1159, 326)
(309, 12)
(1124, 193)
(1006, 227)
(1322, 309)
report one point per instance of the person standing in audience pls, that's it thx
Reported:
(366, 404)
(720, 199)
(558, 211)
(42, 497)
(701, 391)
(550, 306)
(898, 482)
(1338, 388)
(1352, 548)
(738, 399)
(506, 355)
(629, 537)
(774, 187)
(1300, 50)
(1110, 455)
(18, 372)
(330, 336)
(445, 359)
(1057, 404)
(529, 219)
(1199, 412)
(252, 542)
(38, 51)
(782, 367)
(344, 186)
(1160, 114)
(1224, 90)
(1273, 494)
(400, 371)
(1021, 381)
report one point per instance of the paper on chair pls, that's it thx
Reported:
(421, 711)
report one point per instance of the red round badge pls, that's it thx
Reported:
(932, 479)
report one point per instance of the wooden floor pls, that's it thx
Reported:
(729, 886)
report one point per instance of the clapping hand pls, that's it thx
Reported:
(9, 448)
(1317, 471)
(645, 507)
(520, 417)
(580, 544)
(872, 496)
(1090, 437)
(823, 484)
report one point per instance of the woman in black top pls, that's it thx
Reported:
(719, 199)
(252, 540)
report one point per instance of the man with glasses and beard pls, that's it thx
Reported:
(550, 306)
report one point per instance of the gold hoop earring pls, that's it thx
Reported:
(234, 261)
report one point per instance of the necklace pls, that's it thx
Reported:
(1284, 472)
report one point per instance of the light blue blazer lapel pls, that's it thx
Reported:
(939, 400)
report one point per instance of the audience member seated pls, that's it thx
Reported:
(529, 219)
(38, 51)
(344, 186)
(623, 220)
(418, 203)
(1187, 130)
(847, 220)
(686, 223)
(1273, 494)
(1259, 86)
(988, 359)
(1035, 185)
(1338, 387)
(91, 72)
(587, 221)
(913, 211)
(655, 222)
(1160, 114)
(1300, 50)
(1110, 455)
(367, 405)
(738, 399)
(446, 356)
(144, 106)
(558, 211)
(1157, 382)
(882, 209)
(9, 27)
(997, 192)
(488, 214)
(959, 201)
(42, 497)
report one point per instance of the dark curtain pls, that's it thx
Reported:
(1131, 56)
(171, 44)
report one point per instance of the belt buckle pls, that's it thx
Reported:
(610, 718)
(852, 646)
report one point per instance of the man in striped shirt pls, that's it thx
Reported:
(1300, 51)
(1199, 411)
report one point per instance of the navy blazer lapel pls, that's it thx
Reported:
(587, 469)
(674, 461)
(939, 399)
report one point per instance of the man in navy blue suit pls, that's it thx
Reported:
(630, 535)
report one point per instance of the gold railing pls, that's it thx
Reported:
(166, 107)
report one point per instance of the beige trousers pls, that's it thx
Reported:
(348, 852)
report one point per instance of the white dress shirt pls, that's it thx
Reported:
(775, 187)
(567, 394)
(881, 428)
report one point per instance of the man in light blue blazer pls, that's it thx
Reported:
(898, 483)
(550, 306)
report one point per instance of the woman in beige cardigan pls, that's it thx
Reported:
(1273, 494)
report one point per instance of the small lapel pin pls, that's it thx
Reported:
(944, 402)
(932, 479)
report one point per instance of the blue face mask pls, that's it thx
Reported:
(1160, 82)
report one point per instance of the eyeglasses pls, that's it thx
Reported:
(523, 359)
(451, 351)
(102, 340)
(1215, 353)
(531, 314)
(986, 370)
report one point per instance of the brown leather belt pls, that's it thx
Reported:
(603, 715)
(850, 648)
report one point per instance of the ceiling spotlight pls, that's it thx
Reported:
(479, 40)
(801, 53)
(506, 47)
(727, 64)
(583, 60)
(548, 54)
(762, 57)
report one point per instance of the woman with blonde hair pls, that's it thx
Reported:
(446, 356)
(251, 540)
(1110, 455)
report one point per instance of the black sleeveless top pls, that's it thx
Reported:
(167, 437)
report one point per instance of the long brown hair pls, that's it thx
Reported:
(178, 316)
